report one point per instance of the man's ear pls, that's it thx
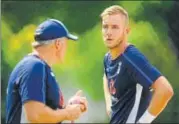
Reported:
(58, 44)
(128, 30)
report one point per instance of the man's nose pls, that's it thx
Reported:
(109, 32)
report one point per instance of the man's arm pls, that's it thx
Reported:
(163, 92)
(148, 76)
(32, 90)
(37, 112)
(107, 95)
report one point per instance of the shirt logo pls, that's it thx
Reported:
(112, 88)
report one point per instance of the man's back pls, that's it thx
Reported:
(31, 79)
(129, 79)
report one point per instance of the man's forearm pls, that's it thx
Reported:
(108, 104)
(107, 95)
(162, 94)
(159, 102)
(37, 112)
(52, 116)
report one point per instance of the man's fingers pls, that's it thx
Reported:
(83, 108)
(79, 93)
(83, 101)
(84, 104)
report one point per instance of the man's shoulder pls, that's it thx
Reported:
(132, 50)
(134, 55)
(33, 61)
(28, 63)
(27, 66)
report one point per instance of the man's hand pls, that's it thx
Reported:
(73, 112)
(109, 111)
(78, 99)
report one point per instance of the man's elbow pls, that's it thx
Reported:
(32, 118)
(33, 115)
(163, 87)
(169, 92)
(165, 93)
(39, 118)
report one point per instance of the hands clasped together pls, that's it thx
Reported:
(76, 106)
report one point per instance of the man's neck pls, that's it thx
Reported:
(117, 51)
(43, 56)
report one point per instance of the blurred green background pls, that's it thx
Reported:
(153, 30)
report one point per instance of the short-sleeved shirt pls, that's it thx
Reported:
(130, 77)
(31, 79)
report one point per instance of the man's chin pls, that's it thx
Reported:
(111, 46)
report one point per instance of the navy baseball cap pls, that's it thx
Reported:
(52, 29)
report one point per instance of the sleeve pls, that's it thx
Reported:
(32, 86)
(141, 70)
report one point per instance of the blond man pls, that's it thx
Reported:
(135, 91)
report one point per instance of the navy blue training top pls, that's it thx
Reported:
(130, 77)
(31, 79)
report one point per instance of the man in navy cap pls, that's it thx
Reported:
(33, 94)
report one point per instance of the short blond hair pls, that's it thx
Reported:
(115, 9)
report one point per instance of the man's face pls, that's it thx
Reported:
(113, 29)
